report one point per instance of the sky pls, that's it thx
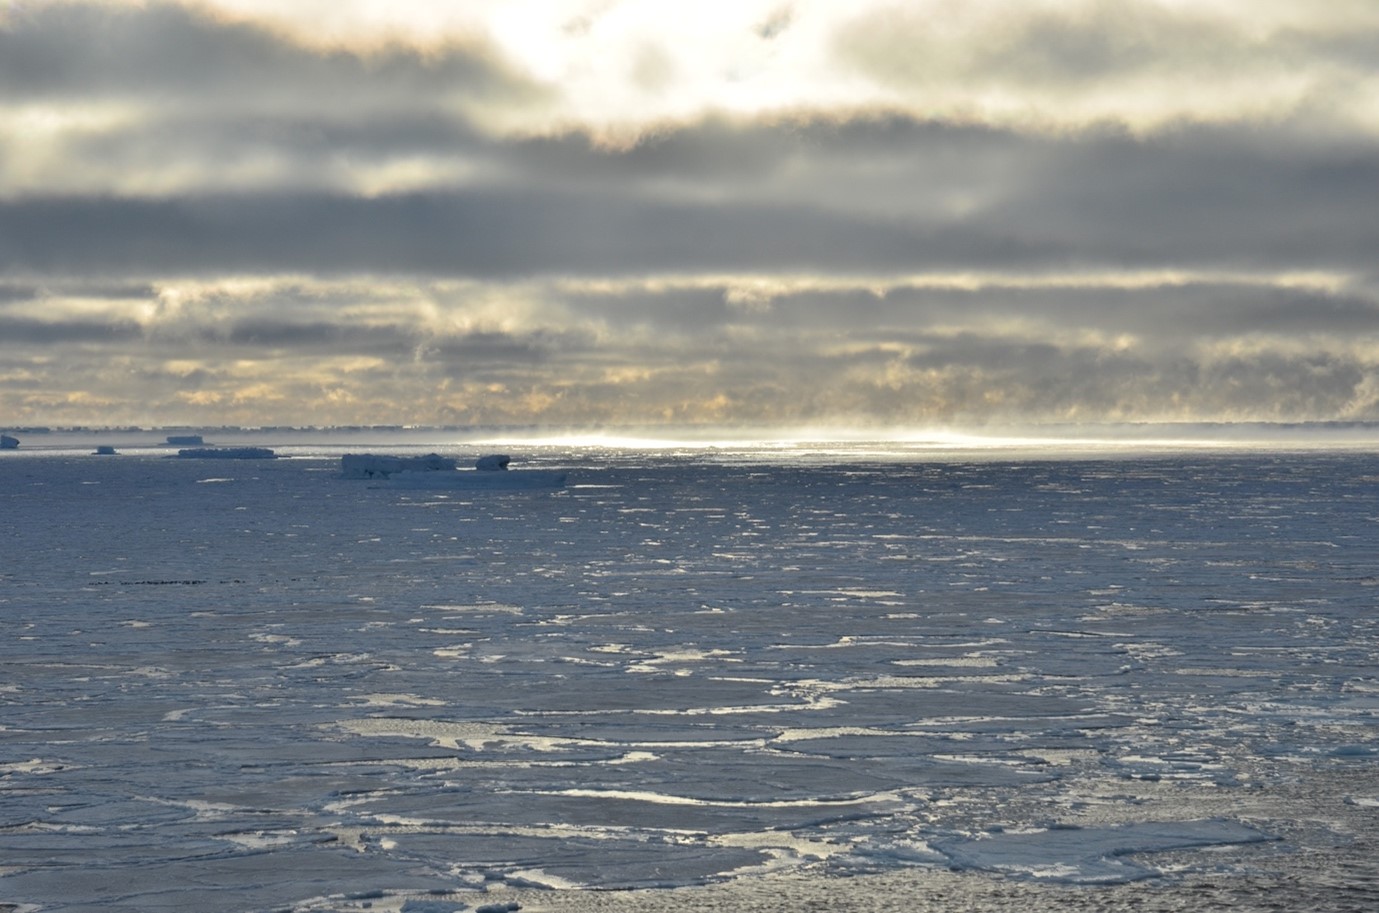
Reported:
(792, 213)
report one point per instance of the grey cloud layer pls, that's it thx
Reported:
(1189, 201)
(171, 55)
(222, 224)
(913, 356)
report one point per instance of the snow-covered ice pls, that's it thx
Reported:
(226, 453)
(382, 465)
(758, 674)
(433, 471)
(493, 462)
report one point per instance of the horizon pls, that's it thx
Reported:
(1051, 439)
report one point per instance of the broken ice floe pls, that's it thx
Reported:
(1090, 855)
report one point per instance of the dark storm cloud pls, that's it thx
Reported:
(398, 342)
(306, 148)
(270, 334)
(169, 54)
(123, 99)
(492, 234)
(492, 346)
(1194, 194)
(22, 332)
(108, 291)
(1196, 199)
(1206, 196)
(17, 292)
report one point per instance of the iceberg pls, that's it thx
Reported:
(490, 472)
(494, 462)
(227, 453)
(378, 466)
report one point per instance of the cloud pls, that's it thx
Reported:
(580, 353)
(757, 213)
(1198, 199)
(159, 98)
(164, 98)
(173, 56)
(27, 332)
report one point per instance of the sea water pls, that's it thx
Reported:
(851, 677)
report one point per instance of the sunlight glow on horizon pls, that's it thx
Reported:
(1091, 438)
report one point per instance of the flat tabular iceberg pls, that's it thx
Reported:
(379, 466)
(432, 471)
(227, 453)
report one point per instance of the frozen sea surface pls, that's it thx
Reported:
(743, 679)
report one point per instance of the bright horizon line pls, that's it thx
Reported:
(1096, 435)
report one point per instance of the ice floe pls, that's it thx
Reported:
(1090, 855)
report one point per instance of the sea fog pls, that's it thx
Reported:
(851, 676)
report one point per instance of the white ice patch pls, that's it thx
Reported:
(474, 736)
(1090, 855)
(656, 798)
(397, 700)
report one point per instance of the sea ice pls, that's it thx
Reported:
(493, 462)
(382, 466)
(696, 668)
(1089, 855)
